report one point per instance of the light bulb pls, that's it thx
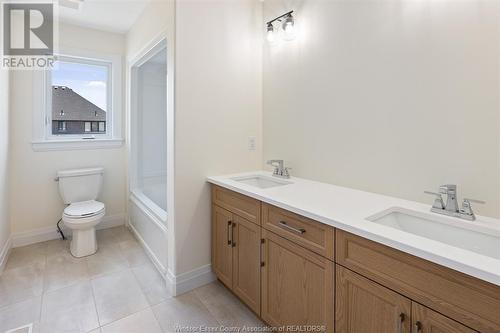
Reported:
(289, 28)
(270, 33)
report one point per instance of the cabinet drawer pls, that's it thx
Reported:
(468, 300)
(310, 234)
(241, 205)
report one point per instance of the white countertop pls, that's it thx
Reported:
(347, 209)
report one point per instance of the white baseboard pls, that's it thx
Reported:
(182, 283)
(159, 266)
(49, 233)
(4, 253)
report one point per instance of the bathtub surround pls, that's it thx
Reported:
(393, 97)
(5, 239)
(152, 224)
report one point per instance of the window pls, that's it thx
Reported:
(93, 84)
(79, 94)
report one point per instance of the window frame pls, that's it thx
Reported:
(109, 100)
(42, 142)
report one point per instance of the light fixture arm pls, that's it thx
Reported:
(279, 18)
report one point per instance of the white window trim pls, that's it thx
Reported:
(43, 140)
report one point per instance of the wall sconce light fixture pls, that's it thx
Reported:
(288, 27)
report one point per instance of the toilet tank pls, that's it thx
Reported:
(80, 184)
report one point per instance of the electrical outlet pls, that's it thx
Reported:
(251, 143)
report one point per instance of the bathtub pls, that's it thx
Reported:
(148, 220)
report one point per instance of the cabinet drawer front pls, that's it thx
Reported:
(297, 285)
(244, 206)
(308, 233)
(468, 300)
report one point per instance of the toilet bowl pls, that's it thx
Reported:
(79, 189)
(82, 218)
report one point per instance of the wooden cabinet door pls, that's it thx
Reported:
(246, 262)
(427, 321)
(297, 285)
(362, 306)
(222, 251)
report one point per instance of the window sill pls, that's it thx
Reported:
(76, 144)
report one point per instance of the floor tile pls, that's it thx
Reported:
(106, 237)
(21, 283)
(20, 314)
(58, 247)
(133, 253)
(63, 270)
(97, 330)
(123, 234)
(70, 309)
(117, 295)
(152, 284)
(185, 311)
(26, 256)
(108, 259)
(225, 307)
(139, 322)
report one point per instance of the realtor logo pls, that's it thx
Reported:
(28, 35)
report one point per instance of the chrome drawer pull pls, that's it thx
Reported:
(297, 230)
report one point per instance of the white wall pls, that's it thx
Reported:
(36, 203)
(218, 106)
(4, 162)
(395, 97)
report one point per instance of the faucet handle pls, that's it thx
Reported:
(467, 208)
(438, 202)
(475, 201)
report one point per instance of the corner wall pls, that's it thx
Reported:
(4, 167)
(218, 106)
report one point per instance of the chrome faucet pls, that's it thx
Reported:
(451, 207)
(279, 168)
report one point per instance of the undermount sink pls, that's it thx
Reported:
(461, 234)
(261, 181)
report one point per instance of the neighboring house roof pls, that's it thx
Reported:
(74, 106)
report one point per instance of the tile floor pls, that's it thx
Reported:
(116, 290)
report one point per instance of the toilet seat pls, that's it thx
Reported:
(84, 209)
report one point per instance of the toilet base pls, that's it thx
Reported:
(83, 243)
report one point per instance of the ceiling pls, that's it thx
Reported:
(108, 15)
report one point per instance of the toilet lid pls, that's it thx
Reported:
(85, 208)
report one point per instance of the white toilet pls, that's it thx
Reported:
(79, 189)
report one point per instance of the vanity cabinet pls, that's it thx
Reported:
(297, 285)
(236, 255)
(294, 271)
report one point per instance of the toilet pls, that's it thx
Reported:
(79, 190)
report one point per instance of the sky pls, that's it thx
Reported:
(87, 80)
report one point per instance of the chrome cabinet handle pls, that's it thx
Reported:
(401, 320)
(418, 327)
(296, 230)
(229, 233)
